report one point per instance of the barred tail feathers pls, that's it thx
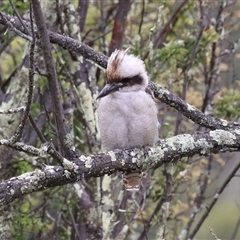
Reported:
(132, 181)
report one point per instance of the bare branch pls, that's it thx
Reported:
(200, 197)
(119, 25)
(142, 14)
(167, 150)
(19, 17)
(52, 75)
(164, 214)
(9, 21)
(19, 131)
(190, 111)
(82, 11)
(212, 72)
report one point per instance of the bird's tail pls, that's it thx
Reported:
(132, 181)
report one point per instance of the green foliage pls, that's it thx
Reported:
(174, 54)
(35, 109)
(22, 166)
(227, 105)
(13, 56)
(24, 221)
(20, 5)
(30, 218)
(209, 36)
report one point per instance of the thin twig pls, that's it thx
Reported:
(162, 35)
(142, 16)
(211, 71)
(19, 17)
(39, 133)
(19, 131)
(199, 199)
(75, 225)
(212, 232)
(10, 22)
(164, 214)
(52, 151)
(82, 11)
(149, 221)
(12, 110)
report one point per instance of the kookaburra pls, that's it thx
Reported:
(127, 113)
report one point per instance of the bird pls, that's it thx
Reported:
(127, 112)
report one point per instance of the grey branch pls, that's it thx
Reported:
(166, 150)
(12, 110)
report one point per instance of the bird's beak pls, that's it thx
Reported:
(109, 88)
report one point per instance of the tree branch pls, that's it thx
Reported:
(119, 25)
(190, 111)
(167, 150)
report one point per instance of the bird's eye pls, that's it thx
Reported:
(137, 80)
(126, 80)
(132, 81)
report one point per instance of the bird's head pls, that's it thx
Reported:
(125, 72)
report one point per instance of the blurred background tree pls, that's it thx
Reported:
(190, 47)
